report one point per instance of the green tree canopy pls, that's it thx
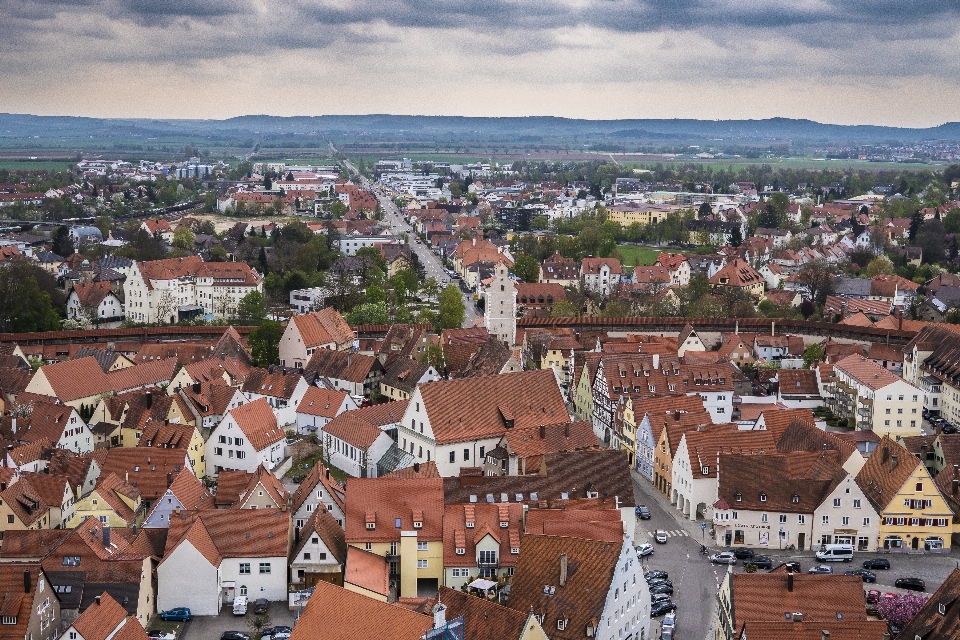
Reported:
(564, 309)
(62, 244)
(527, 268)
(452, 312)
(251, 309)
(813, 353)
(264, 343)
(183, 238)
(880, 265)
(368, 313)
(24, 305)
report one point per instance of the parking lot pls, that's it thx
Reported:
(210, 627)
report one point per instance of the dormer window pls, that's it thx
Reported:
(763, 497)
(461, 551)
(9, 619)
(796, 498)
(470, 524)
(371, 526)
(504, 525)
(705, 470)
(561, 624)
(514, 550)
(418, 525)
(738, 497)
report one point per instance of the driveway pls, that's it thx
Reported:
(210, 627)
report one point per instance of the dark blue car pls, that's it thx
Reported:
(180, 613)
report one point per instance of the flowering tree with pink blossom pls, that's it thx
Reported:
(900, 609)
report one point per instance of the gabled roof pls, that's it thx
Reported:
(737, 273)
(335, 613)
(324, 403)
(368, 571)
(189, 491)
(322, 523)
(278, 384)
(765, 482)
(471, 408)
(258, 422)
(383, 501)
(99, 621)
(91, 294)
(404, 374)
(885, 472)
(798, 382)
(173, 435)
(538, 440)
(353, 430)
(234, 487)
(112, 489)
(342, 365)
(581, 600)
(482, 619)
(319, 475)
(866, 372)
(260, 533)
(323, 327)
(590, 266)
(75, 379)
(144, 468)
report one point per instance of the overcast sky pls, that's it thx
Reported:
(892, 62)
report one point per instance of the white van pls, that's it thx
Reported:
(836, 553)
(240, 606)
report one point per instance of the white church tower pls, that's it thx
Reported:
(500, 311)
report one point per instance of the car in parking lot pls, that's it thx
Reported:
(876, 563)
(761, 562)
(660, 536)
(743, 553)
(656, 583)
(644, 549)
(661, 608)
(234, 635)
(156, 634)
(179, 613)
(913, 584)
(948, 428)
(868, 576)
(260, 606)
(820, 568)
(873, 596)
(656, 575)
(661, 588)
(276, 631)
(659, 597)
(643, 512)
(724, 557)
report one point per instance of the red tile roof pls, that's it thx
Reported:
(260, 533)
(321, 402)
(367, 570)
(100, 618)
(91, 294)
(258, 422)
(323, 327)
(383, 501)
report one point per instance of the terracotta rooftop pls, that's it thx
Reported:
(318, 475)
(260, 533)
(886, 471)
(368, 571)
(866, 372)
(930, 622)
(324, 403)
(537, 440)
(258, 422)
(390, 504)
(352, 367)
(323, 327)
(99, 621)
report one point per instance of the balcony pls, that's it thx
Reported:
(867, 401)
(488, 562)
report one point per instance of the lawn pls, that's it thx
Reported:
(633, 255)
(303, 466)
(35, 165)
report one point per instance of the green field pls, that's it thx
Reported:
(637, 256)
(36, 165)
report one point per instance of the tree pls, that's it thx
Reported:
(807, 308)
(368, 313)
(564, 309)
(736, 236)
(932, 239)
(816, 281)
(813, 353)
(900, 609)
(264, 343)
(183, 238)
(880, 265)
(166, 307)
(452, 311)
(916, 222)
(433, 356)
(251, 309)
(24, 305)
(62, 244)
(527, 268)
(210, 202)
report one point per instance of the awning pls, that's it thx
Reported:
(482, 584)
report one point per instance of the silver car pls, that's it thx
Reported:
(724, 557)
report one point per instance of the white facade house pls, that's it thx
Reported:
(354, 445)
(60, 423)
(318, 489)
(308, 332)
(351, 243)
(846, 516)
(282, 391)
(873, 398)
(216, 556)
(626, 613)
(95, 302)
(248, 436)
(319, 406)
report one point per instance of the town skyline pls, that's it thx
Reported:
(832, 62)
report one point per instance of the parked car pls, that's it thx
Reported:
(669, 622)
(792, 566)
(743, 553)
(260, 606)
(724, 557)
(234, 635)
(873, 596)
(643, 513)
(659, 597)
(876, 563)
(661, 588)
(644, 549)
(662, 607)
(761, 562)
(655, 574)
(156, 634)
(913, 584)
(821, 568)
(660, 536)
(269, 631)
(655, 583)
(180, 613)
(868, 576)
(948, 428)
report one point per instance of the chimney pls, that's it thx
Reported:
(894, 460)
(566, 429)
(97, 600)
(26, 581)
(126, 477)
(169, 480)
(543, 431)
(196, 387)
(416, 467)
(887, 636)
(439, 616)
(149, 399)
(106, 536)
(563, 569)
(656, 361)
(773, 327)
(790, 581)
(886, 454)
(13, 425)
(824, 635)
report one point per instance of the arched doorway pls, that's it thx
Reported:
(916, 542)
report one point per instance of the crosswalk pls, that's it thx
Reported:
(671, 534)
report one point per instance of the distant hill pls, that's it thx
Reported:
(767, 131)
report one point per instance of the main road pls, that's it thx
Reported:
(432, 264)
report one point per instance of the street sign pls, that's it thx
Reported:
(703, 525)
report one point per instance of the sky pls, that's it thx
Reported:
(885, 62)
